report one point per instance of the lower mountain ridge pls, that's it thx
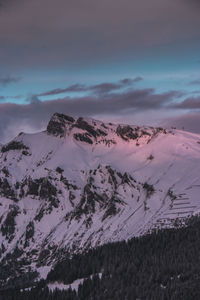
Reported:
(83, 183)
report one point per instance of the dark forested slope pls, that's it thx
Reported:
(163, 265)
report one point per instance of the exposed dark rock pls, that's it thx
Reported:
(65, 117)
(149, 189)
(87, 204)
(171, 194)
(8, 226)
(41, 187)
(56, 128)
(126, 132)
(90, 199)
(6, 189)
(26, 153)
(47, 189)
(14, 145)
(110, 211)
(112, 178)
(5, 171)
(71, 197)
(104, 126)
(68, 184)
(144, 132)
(33, 187)
(29, 233)
(150, 157)
(88, 222)
(101, 132)
(57, 124)
(29, 230)
(44, 254)
(125, 179)
(82, 124)
(40, 215)
(83, 137)
(59, 170)
(17, 185)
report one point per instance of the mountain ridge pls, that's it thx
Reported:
(82, 183)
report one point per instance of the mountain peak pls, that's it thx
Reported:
(60, 123)
(95, 183)
(92, 131)
(57, 124)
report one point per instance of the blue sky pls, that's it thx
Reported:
(163, 68)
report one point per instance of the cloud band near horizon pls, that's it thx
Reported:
(125, 105)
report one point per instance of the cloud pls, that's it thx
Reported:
(195, 82)
(188, 122)
(33, 99)
(105, 88)
(196, 92)
(102, 88)
(192, 3)
(72, 88)
(189, 103)
(8, 80)
(4, 3)
(36, 113)
(4, 98)
(129, 81)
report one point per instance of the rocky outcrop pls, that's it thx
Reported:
(57, 124)
(14, 145)
(127, 132)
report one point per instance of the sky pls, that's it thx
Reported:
(126, 61)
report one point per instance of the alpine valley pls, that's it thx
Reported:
(84, 183)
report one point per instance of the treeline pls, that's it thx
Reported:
(164, 265)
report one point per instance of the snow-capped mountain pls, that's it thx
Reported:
(82, 183)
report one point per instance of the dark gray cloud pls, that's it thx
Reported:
(196, 92)
(105, 88)
(33, 99)
(189, 103)
(72, 88)
(5, 3)
(188, 122)
(195, 82)
(102, 88)
(35, 115)
(8, 80)
(192, 3)
(129, 81)
(3, 98)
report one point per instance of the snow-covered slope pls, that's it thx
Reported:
(82, 183)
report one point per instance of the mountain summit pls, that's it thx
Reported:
(82, 183)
